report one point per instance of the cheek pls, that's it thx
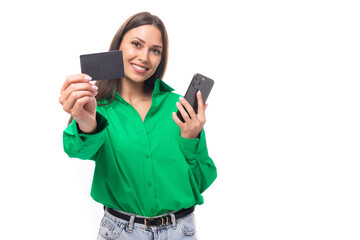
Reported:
(128, 54)
(156, 61)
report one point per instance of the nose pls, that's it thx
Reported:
(143, 56)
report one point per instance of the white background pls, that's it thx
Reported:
(283, 118)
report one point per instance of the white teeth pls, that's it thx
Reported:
(138, 67)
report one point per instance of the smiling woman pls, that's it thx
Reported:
(141, 45)
(107, 89)
(151, 168)
(141, 52)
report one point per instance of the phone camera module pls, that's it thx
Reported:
(199, 82)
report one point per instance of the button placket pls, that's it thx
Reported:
(148, 169)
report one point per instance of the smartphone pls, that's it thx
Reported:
(103, 66)
(199, 82)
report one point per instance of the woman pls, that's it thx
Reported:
(150, 167)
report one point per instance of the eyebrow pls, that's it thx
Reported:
(156, 46)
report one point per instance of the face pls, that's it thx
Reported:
(142, 48)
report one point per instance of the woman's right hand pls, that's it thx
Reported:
(78, 99)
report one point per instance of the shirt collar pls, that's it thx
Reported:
(161, 86)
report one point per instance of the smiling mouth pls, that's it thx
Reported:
(138, 68)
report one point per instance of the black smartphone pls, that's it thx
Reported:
(103, 66)
(199, 82)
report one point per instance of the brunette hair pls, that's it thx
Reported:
(107, 88)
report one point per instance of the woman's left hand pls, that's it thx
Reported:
(194, 123)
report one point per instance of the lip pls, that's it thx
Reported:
(139, 70)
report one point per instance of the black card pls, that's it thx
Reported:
(103, 66)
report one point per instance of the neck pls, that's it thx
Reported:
(132, 91)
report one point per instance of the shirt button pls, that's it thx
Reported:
(146, 155)
(149, 183)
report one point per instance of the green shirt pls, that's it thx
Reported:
(145, 168)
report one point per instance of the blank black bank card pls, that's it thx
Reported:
(103, 66)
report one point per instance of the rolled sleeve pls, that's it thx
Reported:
(83, 145)
(189, 147)
(196, 154)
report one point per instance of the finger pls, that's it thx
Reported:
(177, 120)
(74, 96)
(76, 87)
(79, 106)
(188, 108)
(206, 105)
(76, 78)
(184, 114)
(201, 107)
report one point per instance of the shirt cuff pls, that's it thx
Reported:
(74, 130)
(190, 147)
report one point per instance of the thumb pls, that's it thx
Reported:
(206, 105)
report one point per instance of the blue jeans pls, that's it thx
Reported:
(113, 228)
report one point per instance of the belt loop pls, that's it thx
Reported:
(131, 222)
(173, 220)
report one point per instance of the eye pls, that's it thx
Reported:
(136, 44)
(156, 51)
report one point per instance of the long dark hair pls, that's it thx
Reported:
(107, 88)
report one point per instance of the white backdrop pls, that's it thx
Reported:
(283, 117)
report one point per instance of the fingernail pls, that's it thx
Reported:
(88, 78)
(177, 104)
(199, 92)
(94, 87)
(181, 98)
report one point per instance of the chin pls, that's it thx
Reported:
(137, 79)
